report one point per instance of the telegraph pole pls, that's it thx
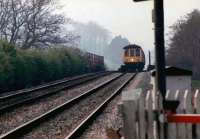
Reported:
(159, 46)
(158, 17)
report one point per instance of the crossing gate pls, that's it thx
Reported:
(144, 117)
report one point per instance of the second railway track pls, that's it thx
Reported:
(96, 95)
(10, 101)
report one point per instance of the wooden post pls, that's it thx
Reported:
(129, 113)
(141, 115)
(150, 119)
(160, 47)
(160, 125)
(197, 109)
(181, 127)
(171, 131)
(188, 110)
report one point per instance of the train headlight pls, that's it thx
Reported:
(132, 60)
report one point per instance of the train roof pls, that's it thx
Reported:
(132, 46)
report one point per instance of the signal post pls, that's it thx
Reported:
(158, 14)
(169, 106)
(158, 17)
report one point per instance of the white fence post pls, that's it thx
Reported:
(129, 113)
(171, 131)
(141, 117)
(149, 109)
(188, 110)
(160, 124)
(181, 127)
(197, 108)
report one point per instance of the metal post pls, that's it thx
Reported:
(160, 57)
(160, 52)
(149, 58)
(160, 47)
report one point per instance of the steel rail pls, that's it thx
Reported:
(22, 92)
(77, 132)
(8, 107)
(19, 131)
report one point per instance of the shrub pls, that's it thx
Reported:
(25, 68)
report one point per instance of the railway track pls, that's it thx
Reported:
(47, 85)
(107, 97)
(11, 101)
(77, 132)
(20, 115)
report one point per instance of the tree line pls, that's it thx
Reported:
(184, 43)
(32, 36)
(30, 33)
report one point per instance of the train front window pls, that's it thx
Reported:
(131, 52)
(137, 52)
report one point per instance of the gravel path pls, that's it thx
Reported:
(109, 123)
(142, 80)
(60, 126)
(25, 113)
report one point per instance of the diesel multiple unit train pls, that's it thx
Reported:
(133, 59)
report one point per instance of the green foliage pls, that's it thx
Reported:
(25, 68)
(7, 51)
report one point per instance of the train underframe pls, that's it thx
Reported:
(132, 67)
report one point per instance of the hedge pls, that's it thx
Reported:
(24, 68)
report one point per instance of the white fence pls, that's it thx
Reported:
(142, 115)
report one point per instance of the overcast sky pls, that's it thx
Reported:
(126, 18)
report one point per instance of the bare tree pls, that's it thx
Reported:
(32, 23)
(93, 37)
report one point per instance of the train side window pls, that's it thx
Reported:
(137, 52)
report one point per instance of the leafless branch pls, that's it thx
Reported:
(31, 23)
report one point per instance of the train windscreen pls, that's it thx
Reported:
(137, 52)
(132, 52)
(126, 52)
